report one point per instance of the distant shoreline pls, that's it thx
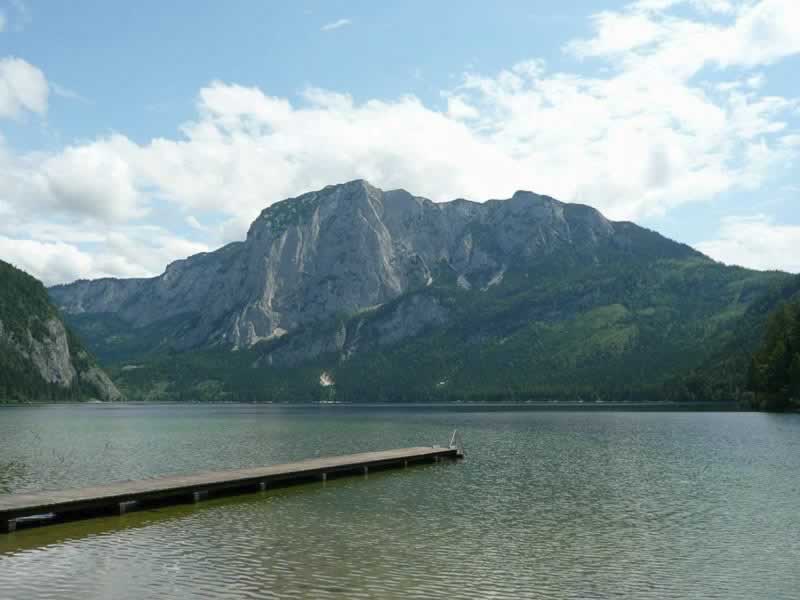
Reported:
(655, 406)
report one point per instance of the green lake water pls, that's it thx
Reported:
(546, 505)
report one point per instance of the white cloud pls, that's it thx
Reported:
(763, 33)
(458, 108)
(755, 242)
(126, 252)
(23, 87)
(49, 262)
(646, 37)
(192, 221)
(617, 33)
(632, 147)
(65, 92)
(336, 24)
(94, 180)
(634, 141)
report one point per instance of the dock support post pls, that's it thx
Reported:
(124, 507)
(262, 485)
(405, 464)
(324, 477)
(200, 495)
(366, 471)
(8, 526)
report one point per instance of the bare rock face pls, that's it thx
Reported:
(56, 362)
(102, 384)
(409, 316)
(338, 251)
(51, 355)
(39, 358)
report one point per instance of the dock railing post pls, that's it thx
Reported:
(457, 444)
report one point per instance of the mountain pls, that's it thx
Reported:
(336, 251)
(351, 292)
(39, 357)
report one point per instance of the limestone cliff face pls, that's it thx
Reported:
(338, 251)
(57, 363)
(50, 354)
(39, 358)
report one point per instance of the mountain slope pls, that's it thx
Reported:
(396, 297)
(39, 358)
(344, 249)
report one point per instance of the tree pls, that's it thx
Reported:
(774, 374)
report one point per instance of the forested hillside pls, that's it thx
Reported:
(774, 372)
(40, 359)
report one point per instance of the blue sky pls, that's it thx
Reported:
(133, 134)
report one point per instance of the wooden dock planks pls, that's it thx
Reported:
(125, 496)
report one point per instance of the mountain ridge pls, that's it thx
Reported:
(407, 235)
(352, 281)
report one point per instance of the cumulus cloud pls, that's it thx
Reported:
(127, 252)
(459, 108)
(336, 25)
(756, 242)
(630, 147)
(94, 180)
(646, 36)
(23, 88)
(647, 135)
(49, 262)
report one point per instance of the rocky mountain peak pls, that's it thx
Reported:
(337, 251)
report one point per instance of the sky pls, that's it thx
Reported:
(134, 134)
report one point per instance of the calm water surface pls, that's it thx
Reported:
(546, 505)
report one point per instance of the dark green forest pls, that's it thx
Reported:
(774, 372)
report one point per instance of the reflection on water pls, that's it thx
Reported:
(546, 505)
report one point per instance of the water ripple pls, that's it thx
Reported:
(550, 506)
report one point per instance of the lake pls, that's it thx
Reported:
(546, 504)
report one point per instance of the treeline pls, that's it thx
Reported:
(774, 372)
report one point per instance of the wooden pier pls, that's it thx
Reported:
(42, 508)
